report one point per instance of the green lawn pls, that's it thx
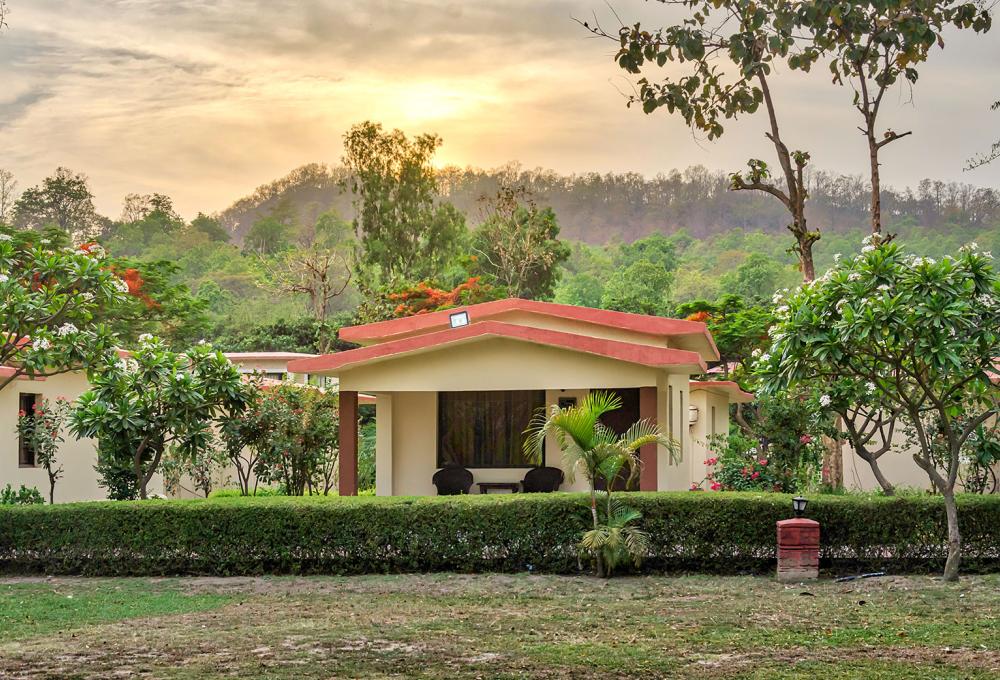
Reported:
(454, 626)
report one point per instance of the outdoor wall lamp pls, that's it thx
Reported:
(459, 319)
(799, 505)
(692, 415)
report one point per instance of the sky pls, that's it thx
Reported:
(204, 100)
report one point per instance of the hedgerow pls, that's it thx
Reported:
(690, 532)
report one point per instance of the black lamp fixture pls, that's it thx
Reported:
(459, 319)
(799, 505)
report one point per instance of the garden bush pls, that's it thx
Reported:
(689, 532)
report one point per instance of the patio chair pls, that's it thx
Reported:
(542, 480)
(452, 480)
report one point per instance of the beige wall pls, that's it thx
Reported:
(77, 456)
(713, 418)
(497, 364)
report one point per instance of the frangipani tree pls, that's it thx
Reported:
(592, 449)
(56, 301)
(141, 405)
(922, 338)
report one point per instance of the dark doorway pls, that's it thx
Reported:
(619, 421)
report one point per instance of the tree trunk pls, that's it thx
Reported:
(876, 202)
(887, 487)
(954, 539)
(806, 260)
(52, 489)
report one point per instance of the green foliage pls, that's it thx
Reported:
(304, 334)
(716, 533)
(407, 234)
(62, 200)
(617, 539)
(738, 327)
(142, 405)
(642, 287)
(23, 496)
(366, 457)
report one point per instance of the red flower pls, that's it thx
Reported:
(805, 439)
(745, 472)
(755, 475)
(716, 486)
(763, 461)
(711, 461)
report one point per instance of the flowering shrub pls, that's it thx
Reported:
(292, 432)
(42, 430)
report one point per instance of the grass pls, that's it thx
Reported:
(498, 626)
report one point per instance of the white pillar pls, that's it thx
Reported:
(383, 444)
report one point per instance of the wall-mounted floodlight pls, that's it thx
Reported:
(459, 319)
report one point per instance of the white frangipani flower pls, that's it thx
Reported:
(4, 278)
(145, 338)
(825, 400)
(6, 237)
(67, 329)
(41, 343)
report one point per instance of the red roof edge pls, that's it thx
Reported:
(647, 355)
(639, 323)
(729, 386)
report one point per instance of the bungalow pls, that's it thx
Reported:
(460, 386)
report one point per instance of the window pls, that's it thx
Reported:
(25, 452)
(486, 429)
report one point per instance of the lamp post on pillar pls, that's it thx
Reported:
(798, 545)
(347, 480)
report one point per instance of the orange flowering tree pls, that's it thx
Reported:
(424, 298)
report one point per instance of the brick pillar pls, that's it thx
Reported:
(347, 483)
(798, 549)
(647, 454)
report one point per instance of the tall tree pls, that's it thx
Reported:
(752, 36)
(63, 200)
(872, 45)
(518, 246)
(407, 233)
(8, 196)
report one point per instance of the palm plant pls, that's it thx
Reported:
(601, 454)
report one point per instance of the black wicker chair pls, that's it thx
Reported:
(452, 480)
(542, 480)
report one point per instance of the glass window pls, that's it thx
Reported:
(486, 429)
(25, 452)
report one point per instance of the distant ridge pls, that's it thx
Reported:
(600, 208)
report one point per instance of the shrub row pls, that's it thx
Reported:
(691, 532)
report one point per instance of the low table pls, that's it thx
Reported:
(485, 487)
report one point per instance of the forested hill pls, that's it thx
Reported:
(598, 208)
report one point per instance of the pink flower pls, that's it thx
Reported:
(695, 487)
(716, 486)
(711, 461)
(755, 475)
(744, 472)
(805, 439)
(762, 461)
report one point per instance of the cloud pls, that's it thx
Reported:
(205, 99)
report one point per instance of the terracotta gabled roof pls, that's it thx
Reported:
(731, 389)
(638, 323)
(645, 355)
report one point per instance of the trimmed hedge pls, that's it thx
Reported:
(690, 532)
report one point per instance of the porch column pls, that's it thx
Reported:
(647, 454)
(347, 482)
